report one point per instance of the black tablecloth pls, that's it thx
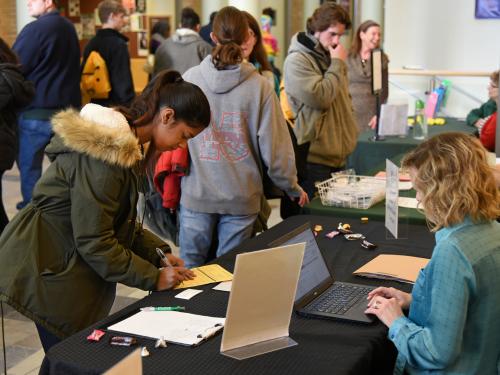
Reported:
(325, 346)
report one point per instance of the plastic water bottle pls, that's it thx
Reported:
(420, 126)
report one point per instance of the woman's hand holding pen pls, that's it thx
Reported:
(173, 272)
(174, 261)
(171, 276)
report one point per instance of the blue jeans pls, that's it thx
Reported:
(198, 228)
(34, 135)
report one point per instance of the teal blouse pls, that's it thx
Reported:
(454, 320)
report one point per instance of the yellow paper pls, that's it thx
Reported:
(212, 273)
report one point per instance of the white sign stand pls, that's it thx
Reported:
(391, 197)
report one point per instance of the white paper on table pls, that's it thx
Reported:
(174, 326)
(408, 202)
(405, 185)
(393, 119)
(391, 197)
(188, 293)
(225, 286)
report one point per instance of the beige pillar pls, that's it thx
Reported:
(22, 16)
(251, 6)
(309, 8)
(372, 10)
(209, 6)
(279, 30)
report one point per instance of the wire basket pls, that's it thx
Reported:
(351, 191)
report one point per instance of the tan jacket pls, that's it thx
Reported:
(322, 101)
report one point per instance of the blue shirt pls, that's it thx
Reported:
(49, 53)
(454, 321)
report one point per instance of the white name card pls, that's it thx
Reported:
(391, 197)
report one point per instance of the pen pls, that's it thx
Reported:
(163, 308)
(163, 257)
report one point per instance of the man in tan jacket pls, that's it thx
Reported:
(316, 84)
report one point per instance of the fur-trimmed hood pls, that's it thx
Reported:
(114, 145)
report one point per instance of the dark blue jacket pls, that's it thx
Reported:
(205, 34)
(113, 47)
(49, 52)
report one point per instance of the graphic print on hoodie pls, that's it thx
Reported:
(247, 129)
(226, 138)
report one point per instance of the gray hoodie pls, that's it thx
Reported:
(247, 126)
(181, 51)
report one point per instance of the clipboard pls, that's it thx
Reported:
(173, 326)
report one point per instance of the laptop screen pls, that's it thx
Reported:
(314, 270)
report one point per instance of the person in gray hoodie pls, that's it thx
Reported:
(185, 48)
(316, 85)
(223, 190)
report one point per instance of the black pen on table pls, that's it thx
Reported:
(163, 257)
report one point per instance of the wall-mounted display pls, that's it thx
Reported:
(487, 9)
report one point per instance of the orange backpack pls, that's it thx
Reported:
(287, 110)
(94, 83)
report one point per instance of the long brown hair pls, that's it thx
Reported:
(231, 31)
(454, 179)
(258, 54)
(356, 43)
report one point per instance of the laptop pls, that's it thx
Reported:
(318, 295)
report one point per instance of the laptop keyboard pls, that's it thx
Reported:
(338, 299)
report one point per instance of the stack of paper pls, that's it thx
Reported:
(393, 267)
(212, 273)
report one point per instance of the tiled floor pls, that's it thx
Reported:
(23, 348)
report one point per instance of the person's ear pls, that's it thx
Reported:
(167, 115)
(197, 28)
(214, 38)
(111, 18)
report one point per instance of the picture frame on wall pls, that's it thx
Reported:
(140, 6)
(487, 9)
(142, 44)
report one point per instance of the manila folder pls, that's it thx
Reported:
(393, 267)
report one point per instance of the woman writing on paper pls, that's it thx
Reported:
(62, 255)
(454, 308)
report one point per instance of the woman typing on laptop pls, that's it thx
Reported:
(454, 308)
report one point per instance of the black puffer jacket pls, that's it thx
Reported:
(15, 93)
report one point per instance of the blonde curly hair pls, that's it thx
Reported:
(454, 180)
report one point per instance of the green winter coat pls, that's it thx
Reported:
(62, 255)
(486, 109)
